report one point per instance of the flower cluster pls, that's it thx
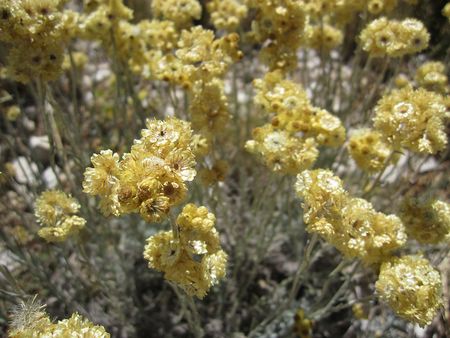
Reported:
(432, 76)
(190, 256)
(350, 224)
(209, 107)
(380, 6)
(412, 119)
(324, 37)
(181, 12)
(29, 320)
(56, 212)
(199, 64)
(282, 152)
(282, 23)
(226, 15)
(383, 37)
(151, 178)
(369, 150)
(289, 143)
(36, 33)
(101, 17)
(427, 221)
(412, 287)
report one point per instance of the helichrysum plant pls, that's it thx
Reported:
(232, 168)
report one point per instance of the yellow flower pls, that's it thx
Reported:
(283, 23)
(350, 224)
(181, 12)
(191, 258)
(411, 287)
(75, 326)
(412, 119)
(209, 107)
(394, 38)
(427, 221)
(55, 211)
(432, 76)
(369, 150)
(36, 33)
(227, 14)
(196, 229)
(281, 152)
(378, 6)
(151, 178)
(365, 233)
(324, 37)
(102, 180)
(29, 320)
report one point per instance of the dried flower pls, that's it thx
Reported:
(411, 287)
(394, 38)
(55, 211)
(369, 150)
(30, 321)
(350, 224)
(431, 76)
(181, 12)
(412, 119)
(151, 178)
(427, 221)
(191, 258)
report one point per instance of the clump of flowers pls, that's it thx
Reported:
(412, 119)
(379, 6)
(56, 212)
(383, 37)
(350, 224)
(199, 64)
(226, 15)
(427, 221)
(30, 320)
(36, 33)
(282, 152)
(181, 12)
(288, 105)
(190, 255)
(431, 76)
(289, 143)
(151, 178)
(209, 107)
(282, 23)
(369, 150)
(411, 287)
(324, 37)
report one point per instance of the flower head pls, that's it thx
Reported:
(56, 212)
(411, 287)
